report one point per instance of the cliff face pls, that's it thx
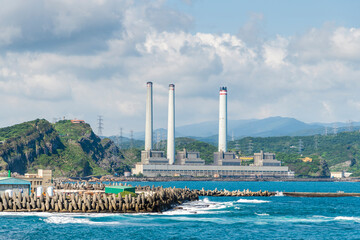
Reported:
(66, 148)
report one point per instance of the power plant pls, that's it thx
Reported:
(154, 163)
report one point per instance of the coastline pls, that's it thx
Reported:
(194, 179)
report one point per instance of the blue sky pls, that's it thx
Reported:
(80, 59)
(284, 17)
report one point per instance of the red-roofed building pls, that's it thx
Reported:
(77, 121)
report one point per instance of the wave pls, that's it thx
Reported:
(343, 218)
(204, 206)
(279, 194)
(74, 220)
(262, 214)
(241, 200)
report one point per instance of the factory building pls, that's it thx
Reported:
(212, 170)
(43, 178)
(15, 185)
(265, 159)
(189, 158)
(153, 163)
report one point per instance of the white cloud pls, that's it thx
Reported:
(94, 57)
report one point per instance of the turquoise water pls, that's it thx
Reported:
(275, 217)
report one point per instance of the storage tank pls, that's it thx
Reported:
(10, 192)
(39, 191)
(50, 191)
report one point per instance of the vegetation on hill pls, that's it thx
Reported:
(337, 152)
(66, 148)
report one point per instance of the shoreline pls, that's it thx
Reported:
(192, 179)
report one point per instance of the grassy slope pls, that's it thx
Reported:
(73, 159)
(69, 159)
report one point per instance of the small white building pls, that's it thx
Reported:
(337, 174)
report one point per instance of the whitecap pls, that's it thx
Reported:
(343, 218)
(204, 206)
(279, 194)
(72, 220)
(241, 200)
(262, 214)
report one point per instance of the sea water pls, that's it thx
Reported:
(276, 217)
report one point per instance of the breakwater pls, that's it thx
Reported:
(86, 186)
(154, 201)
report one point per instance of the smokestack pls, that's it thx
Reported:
(223, 119)
(149, 118)
(171, 125)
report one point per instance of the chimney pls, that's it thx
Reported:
(149, 118)
(222, 119)
(171, 125)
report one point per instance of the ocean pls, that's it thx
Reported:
(276, 217)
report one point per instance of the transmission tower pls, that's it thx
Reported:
(335, 129)
(316, 142)
(250, 146)
(120, 138)
(326, 131)
(232, 136)
(301, 146)
(131, 139)
(100, 125)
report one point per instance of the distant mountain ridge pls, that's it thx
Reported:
(267, 127)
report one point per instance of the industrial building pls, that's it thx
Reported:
(15, 185)
(43, 178)
(154, 163)
(189, 158)
(265, 159)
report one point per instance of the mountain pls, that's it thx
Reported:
(67, 148)
(268, 127)
(273, 126)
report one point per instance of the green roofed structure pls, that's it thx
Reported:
(14, 184)
(119, 189)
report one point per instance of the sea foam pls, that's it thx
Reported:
(241, 200)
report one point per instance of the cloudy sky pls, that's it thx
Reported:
(85, 58)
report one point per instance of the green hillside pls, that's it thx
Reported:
(339, 152)
(66, 148)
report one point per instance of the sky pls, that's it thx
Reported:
(81, 59)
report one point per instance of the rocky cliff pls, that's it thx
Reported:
(66, 148)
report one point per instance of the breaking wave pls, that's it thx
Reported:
(241, 200)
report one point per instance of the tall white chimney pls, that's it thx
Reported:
(223, 119)
(171, 125)
(149, 118)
